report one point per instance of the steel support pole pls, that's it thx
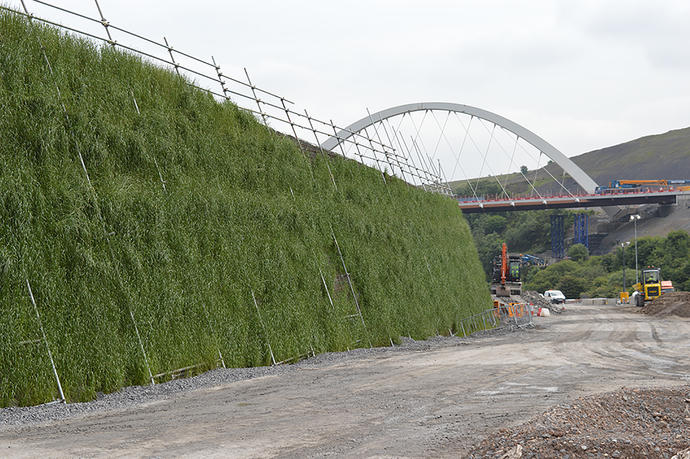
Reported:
(342, 150)
(402, 153)
(106, 25)
(323, 154)
(352, 289)
(323, 280)
(256, 98)
(155, 161)
(172, 56)
(292, 126)
(385, 154)
(220, 78)
(359, 152)
(263, 327)
(45, 341)
(141, 346)
(637, 271)
(623, 246)
(421, 168)
(405, 153)
(376, 158)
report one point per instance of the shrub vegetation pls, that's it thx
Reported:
(602, 276)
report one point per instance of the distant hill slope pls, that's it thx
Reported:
(655, 156)
(664, 156)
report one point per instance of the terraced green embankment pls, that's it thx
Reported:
(183, 260)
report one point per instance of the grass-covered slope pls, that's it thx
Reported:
(240, 212)
(661, 156)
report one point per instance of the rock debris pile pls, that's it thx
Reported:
(533, 297)
(624, 423)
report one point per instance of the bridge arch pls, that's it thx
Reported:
(580, 176)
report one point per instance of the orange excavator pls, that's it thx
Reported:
(506, 274)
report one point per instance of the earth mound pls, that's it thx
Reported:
(672, 303)
(624, 423)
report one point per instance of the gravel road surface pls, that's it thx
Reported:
(434, 398)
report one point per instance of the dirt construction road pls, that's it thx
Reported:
(434, 402)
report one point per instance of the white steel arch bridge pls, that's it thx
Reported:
(521, 132)
(562, 183)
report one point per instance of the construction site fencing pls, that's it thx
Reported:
(514, 314)
(484, 320)
(501, 315)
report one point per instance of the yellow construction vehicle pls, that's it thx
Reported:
(649, 288)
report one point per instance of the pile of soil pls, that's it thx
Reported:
(624, 423)
(672, 303)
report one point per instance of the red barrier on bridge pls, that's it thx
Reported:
(496, 204)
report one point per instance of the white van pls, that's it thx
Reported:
(554, 296)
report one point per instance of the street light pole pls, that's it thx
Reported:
(634, 218)
(623, 246)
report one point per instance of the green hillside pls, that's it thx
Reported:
(187, 209)
(665, 156)
(602, 276)
(662, 156)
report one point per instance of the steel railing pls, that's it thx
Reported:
(275, 111)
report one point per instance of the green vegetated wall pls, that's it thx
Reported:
(239, 213)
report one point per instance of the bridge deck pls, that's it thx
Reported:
(574, 201)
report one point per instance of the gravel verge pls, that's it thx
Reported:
(135, 395)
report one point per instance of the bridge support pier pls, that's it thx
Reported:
(581, 230)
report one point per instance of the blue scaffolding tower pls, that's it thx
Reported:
(581, 230)
(557, 244)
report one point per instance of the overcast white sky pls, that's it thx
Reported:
(582, 74)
